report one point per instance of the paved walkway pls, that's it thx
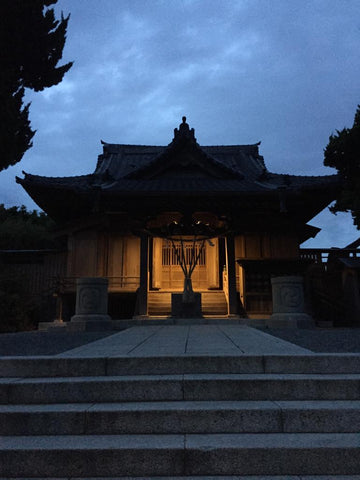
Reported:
(176, 340)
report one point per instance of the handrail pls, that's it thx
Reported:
(69, 282)
(322, 255)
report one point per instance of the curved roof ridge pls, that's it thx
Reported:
(130, 144)
(235, 145)
(29, 176)
(288, 175)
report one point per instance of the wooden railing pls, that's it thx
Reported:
(325, 288)
(322, 255)
(124, 283)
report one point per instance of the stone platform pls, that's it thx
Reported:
(177, 340)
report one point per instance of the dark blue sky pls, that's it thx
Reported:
(285, 72)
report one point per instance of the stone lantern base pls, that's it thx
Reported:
(91, 306)
(288, 303)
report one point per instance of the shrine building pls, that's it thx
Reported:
(120, 222)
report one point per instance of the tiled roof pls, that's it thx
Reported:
(81, 182)
(181, 185)
(292, 182)
(121, 160)
(180, 171)
(184, 175)
(118, 161)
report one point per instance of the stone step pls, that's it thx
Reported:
(62, 366)
(212, 303)
(159, 303)
(219, 311)
(214, 306)
(196, 387)
(180, 455)
(181, 417)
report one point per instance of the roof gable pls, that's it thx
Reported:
(184, 158)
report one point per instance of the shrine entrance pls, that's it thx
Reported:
(166, 270)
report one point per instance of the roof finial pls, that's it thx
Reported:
(184, 131)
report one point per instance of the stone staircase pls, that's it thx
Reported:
(273, 416)
(213, 303)
(159, 304)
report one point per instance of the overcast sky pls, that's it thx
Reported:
(286, 72)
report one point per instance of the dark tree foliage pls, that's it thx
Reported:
(343, 153)
(21, 229)
(16, 309)
(31, 45)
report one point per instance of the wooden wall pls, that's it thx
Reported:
(83, 254)
(93, 254)
(254, 286)
(268, 245)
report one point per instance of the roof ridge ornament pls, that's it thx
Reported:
(184, 132)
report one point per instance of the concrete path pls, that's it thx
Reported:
(183, 340)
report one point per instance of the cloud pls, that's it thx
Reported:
(282, 72)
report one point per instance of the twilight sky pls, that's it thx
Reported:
(286, 72)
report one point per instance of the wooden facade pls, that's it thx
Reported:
(117, 220)
(117, 257)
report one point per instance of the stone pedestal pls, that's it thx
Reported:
(288, 303)
(180, 309)
(91, 304)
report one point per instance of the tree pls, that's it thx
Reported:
(16, 308)
(31, 45)
(193, 229)
(21, 229)
(343, 153)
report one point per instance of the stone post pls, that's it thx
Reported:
(288, 303)
(92, 302)
(181, 309)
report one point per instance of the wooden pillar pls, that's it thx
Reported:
(212, 263)
(231, 274)
(157, 263)
(222, 261)
(144, 263)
